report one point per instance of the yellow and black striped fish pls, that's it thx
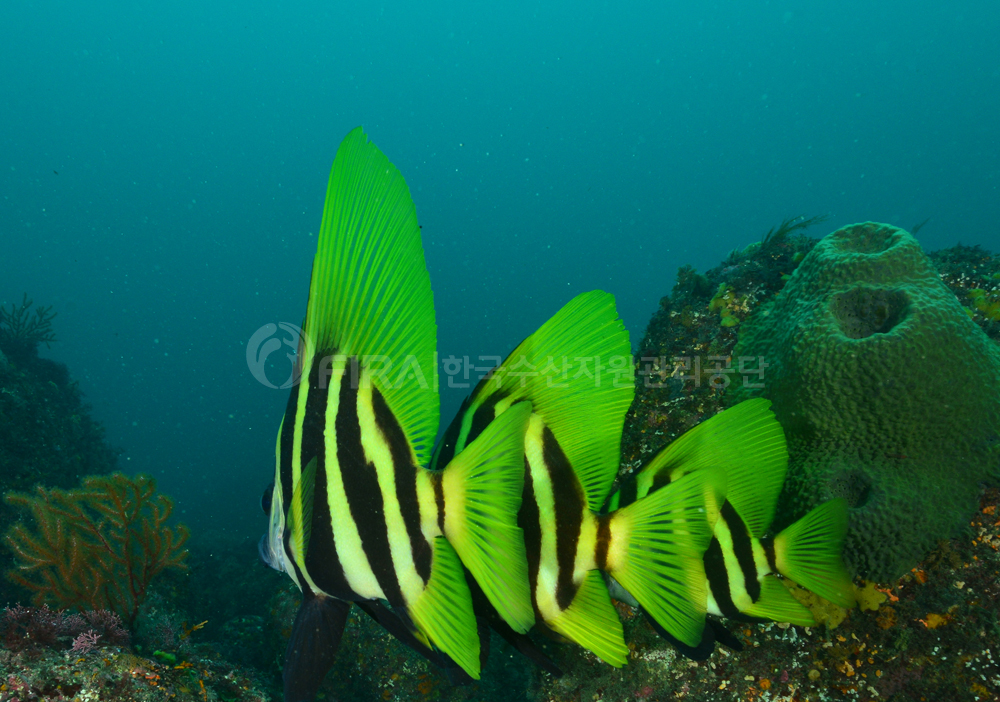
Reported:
(748, 444)
(576, 371)
(354, 515)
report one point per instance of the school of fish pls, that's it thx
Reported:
(510, 522)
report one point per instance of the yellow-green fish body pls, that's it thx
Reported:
(354, 514)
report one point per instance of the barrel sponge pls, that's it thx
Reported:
(889, 394)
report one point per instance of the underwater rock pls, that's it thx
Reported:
(888, 392)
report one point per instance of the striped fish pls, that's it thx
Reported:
(741, 561)
(354, 514)
(576, 371)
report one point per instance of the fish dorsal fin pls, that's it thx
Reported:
(585, 405)
(747, 443)
(370, 295)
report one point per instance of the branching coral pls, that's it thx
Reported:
(20, 328)
(95, 547)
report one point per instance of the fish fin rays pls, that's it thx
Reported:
(443, 612)
(370, 294)
(747, 443)
(482, 490)
(592, 621)
(660, 565)
(755, 462)
(809, 552)
(585, 409)
(778, 604)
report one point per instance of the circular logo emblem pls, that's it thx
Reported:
(264, 342)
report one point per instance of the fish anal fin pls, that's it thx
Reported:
(403, 632)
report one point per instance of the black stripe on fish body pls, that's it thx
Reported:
(406, 483)
(569, 505)
(767, 543)
(528, 519)
(628, 493)
(445, 450)
(482, 417)
(453, 442)
(662, 479)
(742, 549)
(603, 541)
(438, 499)
(718, 579)
(321, 560)
(363, 492)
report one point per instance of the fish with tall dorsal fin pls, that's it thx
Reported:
(747, 442)
(576, 372)
(354, 514)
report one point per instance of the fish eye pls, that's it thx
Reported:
(265, 499)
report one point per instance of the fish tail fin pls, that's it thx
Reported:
(778, 604)
(809, 551)
(443, 612)
(656, 549)
(592, 622)
(482, 494)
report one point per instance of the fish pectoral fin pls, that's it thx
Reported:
(312, 648)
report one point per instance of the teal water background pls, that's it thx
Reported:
(163, 165)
